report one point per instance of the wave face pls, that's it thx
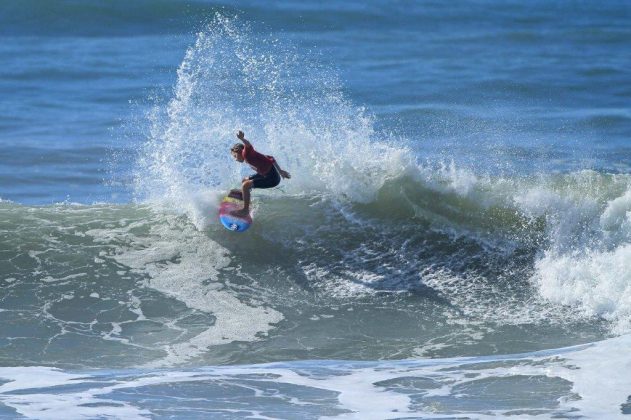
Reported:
(316, 269)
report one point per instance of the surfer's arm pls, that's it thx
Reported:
(241, 137)
(282, 173)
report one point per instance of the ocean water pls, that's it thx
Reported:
(455, 240)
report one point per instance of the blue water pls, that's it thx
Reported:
(522, 82)
(460, 199)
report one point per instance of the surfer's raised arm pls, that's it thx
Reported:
(241, 136)
(281, 172)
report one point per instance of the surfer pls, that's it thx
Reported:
(268, 173)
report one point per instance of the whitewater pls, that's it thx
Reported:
(431, 257)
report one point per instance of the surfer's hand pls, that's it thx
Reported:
(285, 174)
(240, 135)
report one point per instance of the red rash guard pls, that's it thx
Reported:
(259, 162)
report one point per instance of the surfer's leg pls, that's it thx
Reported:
(247, 187)
(270, 180)
(245, 191)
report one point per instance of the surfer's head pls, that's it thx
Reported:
(237, 152)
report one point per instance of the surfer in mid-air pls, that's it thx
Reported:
(268, 173)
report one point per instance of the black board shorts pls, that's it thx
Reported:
(269, 180)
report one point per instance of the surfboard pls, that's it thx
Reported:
(233, 201)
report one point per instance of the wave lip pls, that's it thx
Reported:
(598, 283)
(232, 79)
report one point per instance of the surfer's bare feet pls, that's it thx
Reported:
(239, 213)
